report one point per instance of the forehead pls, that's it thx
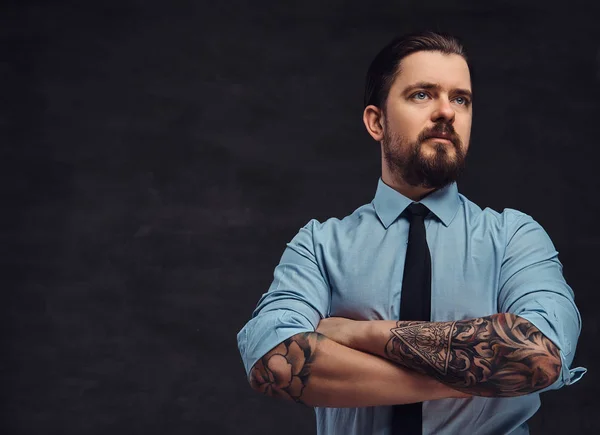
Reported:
(448, 70)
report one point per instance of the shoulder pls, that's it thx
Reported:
(362, 215)
(337, 229)
(508, 224)
(502, 220)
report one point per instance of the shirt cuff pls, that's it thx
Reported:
(267, 330)
(568, 376)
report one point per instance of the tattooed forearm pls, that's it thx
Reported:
(285, 370)
(501, 355)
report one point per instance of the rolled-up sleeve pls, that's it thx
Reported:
(296, 300)
(532, 286)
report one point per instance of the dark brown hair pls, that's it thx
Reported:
(386, 66)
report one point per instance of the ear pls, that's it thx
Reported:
(373, 119)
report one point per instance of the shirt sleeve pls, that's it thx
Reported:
(296, 300)
(532, 286)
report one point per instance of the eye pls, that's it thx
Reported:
(462, 101)
(420, 95)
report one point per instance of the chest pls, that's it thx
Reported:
(366, 281)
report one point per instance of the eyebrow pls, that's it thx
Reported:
(436, 87)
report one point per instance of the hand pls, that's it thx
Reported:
(347, 332)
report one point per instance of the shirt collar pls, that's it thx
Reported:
(389, 203)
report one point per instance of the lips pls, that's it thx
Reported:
(448, 138)
(441, 136)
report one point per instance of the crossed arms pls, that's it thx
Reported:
(314, 370)
(338, 362)
(495, 356)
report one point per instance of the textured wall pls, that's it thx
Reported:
(158, 156)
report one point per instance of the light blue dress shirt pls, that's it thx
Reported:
(483, 262)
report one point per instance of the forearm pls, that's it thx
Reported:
(316, 371)
(501, 355)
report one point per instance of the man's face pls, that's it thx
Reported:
(429, 99)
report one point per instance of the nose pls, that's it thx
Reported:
(443, 111)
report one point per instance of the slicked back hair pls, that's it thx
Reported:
(386, 66)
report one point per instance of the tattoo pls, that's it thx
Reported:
(285, 370)
(501, 355)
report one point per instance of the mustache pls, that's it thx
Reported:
(441, 129)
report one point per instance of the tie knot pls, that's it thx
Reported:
(417, 209)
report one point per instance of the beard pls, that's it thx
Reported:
(407, 160)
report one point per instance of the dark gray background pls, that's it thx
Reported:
(157, 156)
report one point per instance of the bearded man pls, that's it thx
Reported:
(418, 312)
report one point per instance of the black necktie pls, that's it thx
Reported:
(415, 304)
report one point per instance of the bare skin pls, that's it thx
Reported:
(310, 369)
(501, 355)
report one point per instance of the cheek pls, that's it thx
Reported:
(464, 131)
(410, 124)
